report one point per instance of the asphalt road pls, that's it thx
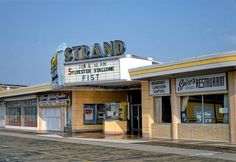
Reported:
(26, 149)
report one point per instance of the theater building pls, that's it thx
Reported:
(190, 99)
(103, 96)
(89, 92)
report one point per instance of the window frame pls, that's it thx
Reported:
(158, 109)
(203, 109)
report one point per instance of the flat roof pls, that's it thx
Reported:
(111, 58)
(12, 85)
(217, 60)
(26, 90)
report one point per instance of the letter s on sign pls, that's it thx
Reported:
(68, 54)
(70, 71)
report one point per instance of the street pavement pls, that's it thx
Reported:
(35, 147)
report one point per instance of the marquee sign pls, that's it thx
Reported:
(92, 71)
(57, 66)
(54, 71)
(54, 99)
(201, 83)
(160, 87)
(82, 52)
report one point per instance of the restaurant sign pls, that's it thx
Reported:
(54, 99)
(201, 83)
(92, 71)
(160, 87)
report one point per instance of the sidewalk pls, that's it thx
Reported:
(197, 149)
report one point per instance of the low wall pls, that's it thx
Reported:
(209, 132)
(161, 130)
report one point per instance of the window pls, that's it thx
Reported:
(14, 116)
(93, 114)
(22, 113)
(205, 109)
(112, 111)
(30, 117)
(163, 109)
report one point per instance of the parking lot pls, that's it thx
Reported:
(25, 149)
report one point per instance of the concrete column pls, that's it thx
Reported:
(147, 110)
(232, 104)
(40, 120)
(174, 110)
(63, 109)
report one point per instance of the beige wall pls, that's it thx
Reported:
(161, 130)
(147, 110)
(115, 127)
(208, 132)
(232, 104)
(174, 110)
(79, 98)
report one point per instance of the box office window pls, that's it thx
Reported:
(112, 111)
(93, 114)
(162, 109)
(205, 109)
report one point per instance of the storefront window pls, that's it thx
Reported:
(14, 116)
(30, 117)
(204, 109)
(162, 109)
(22, 113)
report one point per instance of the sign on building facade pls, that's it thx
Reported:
(57, 66)
(54, 99)
(92, 71)
(212, 82)
(160, 87)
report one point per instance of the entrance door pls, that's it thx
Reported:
(136, 119)
(51, 119)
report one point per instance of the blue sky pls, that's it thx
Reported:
(166, 30)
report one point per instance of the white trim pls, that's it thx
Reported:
(21, 98)
(203, 57)
(21, 127)
(183, 70)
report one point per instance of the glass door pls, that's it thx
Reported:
(136, 119)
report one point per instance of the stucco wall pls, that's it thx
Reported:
(79, 98)
(147, 110)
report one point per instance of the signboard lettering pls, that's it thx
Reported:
(92, 71)
(160, 87)
(54, 99)
(201, 83)
(114, 48)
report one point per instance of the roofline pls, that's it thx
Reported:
(185, 63)
(27, 90)
(111, 58)
(13, 85)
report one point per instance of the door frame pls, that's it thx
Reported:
(139, 129)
